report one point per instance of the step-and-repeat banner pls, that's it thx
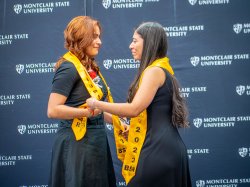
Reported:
(209, 49)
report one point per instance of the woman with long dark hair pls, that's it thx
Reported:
(154, 154)
(80, 155)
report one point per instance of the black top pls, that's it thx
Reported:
(68, 82)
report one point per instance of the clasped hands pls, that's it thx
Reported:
(92, 111)
(91, 103)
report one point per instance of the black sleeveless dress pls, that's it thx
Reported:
(163, 160)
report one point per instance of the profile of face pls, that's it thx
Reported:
(93, 49)
(136, 46)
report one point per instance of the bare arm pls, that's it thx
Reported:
(153, 79)
(108, 117)
(57, 109)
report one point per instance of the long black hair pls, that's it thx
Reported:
(154, 47)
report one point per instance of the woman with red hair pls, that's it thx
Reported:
(80, 155)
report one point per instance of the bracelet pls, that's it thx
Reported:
(91, 114)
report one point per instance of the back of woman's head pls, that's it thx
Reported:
(79, 34)
(154, 41)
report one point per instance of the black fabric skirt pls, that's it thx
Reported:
(84, 163)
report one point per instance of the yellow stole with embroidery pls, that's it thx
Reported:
(79, 124)
(128, 151)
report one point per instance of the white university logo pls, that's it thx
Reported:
(17, 8)
(106, 3)
(107, 63)
(240, 89)
(243, 151)
(195, 60)
(21, 129)
(192, 2)
(197, 122)
(109, 126)
(200, 183)
(237, 28)
(19, 68)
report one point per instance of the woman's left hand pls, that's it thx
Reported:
(126, 130)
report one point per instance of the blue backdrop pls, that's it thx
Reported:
(208, 49)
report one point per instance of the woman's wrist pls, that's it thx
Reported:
(93, 104)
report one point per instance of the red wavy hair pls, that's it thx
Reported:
(78, 35)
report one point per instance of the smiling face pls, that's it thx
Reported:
(136, 46)
(93, 49)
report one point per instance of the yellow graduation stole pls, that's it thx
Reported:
(79, 124)
(129, 151)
